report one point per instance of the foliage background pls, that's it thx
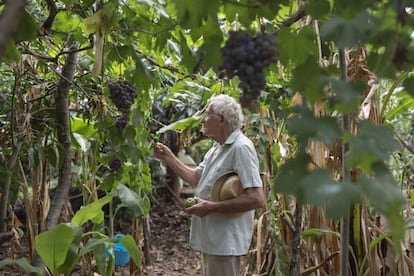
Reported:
(334, 128)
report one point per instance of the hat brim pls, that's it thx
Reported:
(217, 189)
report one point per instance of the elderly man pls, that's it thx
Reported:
(221, 238)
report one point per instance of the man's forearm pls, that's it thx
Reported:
(188, 174)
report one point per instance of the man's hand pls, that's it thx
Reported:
(162, 152)
(201, 208)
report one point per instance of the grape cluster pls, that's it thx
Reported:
(246, 57)
(115, 164)
(122, 94)
(121, 121)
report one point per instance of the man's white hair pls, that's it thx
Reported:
(229, 108)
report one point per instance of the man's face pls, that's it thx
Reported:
(211, 123)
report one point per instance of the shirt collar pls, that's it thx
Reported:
(233, 136)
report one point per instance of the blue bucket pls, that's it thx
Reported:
(120, 253)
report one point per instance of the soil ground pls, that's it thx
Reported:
(170, 253)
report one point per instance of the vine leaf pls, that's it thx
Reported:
(373, 144)
(319, 189)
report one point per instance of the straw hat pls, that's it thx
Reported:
(227, 186)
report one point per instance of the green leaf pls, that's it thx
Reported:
(296, 48)
(22, 263)
(306, 126)
(52, 155)
(409, 85)
(11, 54)
(317, 232)
(386, 197)
(383, 192)
(209, 51)
(92, 212)
(93, 22)
(52, 246)
(141, 74)
(72, 254)
(101, 257)
(131, 199)
(133, 250)
(348, 33)
(191, 15)
(307, 78)
(406, 103)
(318, 8)
(93, 243)
(188, 57)
(319, 189)
(67, 21)
(347, 96)
(183, 124)
(373, 144)
(28, 28)
(80, 142)
(291, 174)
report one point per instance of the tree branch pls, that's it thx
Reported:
(52, 15)
(408, 146)
(294, 18)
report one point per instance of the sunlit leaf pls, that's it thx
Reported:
(183, 124)
(92, 211)
(93, 22)
(83, 127)
(53, 245)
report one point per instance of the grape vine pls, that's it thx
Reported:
(246, 57)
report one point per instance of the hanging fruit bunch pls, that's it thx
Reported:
(246, 57)
(122, 94)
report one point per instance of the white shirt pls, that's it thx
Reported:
(216, 234)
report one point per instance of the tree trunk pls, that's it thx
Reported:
(294, 265)
(63, 134)
(345, 222)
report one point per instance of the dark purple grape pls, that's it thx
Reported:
(246, 57)
(121, 121)
(122, 94)
(115, 164)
